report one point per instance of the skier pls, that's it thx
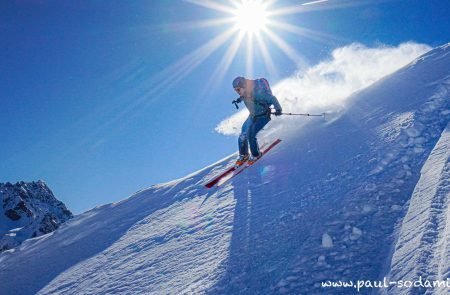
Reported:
(258, 99)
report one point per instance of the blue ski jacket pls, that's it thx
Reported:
(259, 102)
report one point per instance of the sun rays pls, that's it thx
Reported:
(256, 30)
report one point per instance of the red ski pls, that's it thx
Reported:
(235, 170)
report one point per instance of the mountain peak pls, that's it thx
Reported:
(29, 209)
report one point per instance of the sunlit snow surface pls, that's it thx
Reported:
(323, 205)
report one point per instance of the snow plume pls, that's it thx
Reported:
(326, 86)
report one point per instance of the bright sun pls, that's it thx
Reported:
(251, 16)
(258, 23)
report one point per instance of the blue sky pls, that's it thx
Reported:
(96, 103)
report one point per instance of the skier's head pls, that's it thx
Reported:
(239, 84)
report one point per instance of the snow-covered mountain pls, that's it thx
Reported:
(328, 204)
(29, 210)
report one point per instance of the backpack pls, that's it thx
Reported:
(262, 86)
(262, 89)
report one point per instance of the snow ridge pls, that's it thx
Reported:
(423, 248)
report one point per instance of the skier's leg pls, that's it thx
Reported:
(254, 128)
(243, 137)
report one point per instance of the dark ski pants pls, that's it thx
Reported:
(250, 129)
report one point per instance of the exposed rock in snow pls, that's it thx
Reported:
(28, 210)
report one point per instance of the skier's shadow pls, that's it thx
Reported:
(253, 255)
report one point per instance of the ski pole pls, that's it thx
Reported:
(308, 115)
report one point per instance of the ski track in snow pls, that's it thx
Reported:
(323, 205)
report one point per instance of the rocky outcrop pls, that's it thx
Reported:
(29, 209)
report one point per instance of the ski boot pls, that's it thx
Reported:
(241, 160)
(253, 159)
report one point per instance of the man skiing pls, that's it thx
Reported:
(258, 99)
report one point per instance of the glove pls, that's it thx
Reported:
(278, 112)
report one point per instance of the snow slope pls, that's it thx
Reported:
(322, 205)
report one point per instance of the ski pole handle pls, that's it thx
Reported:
(235, 104)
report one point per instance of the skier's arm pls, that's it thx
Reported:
(276, 104)
(274, 101)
